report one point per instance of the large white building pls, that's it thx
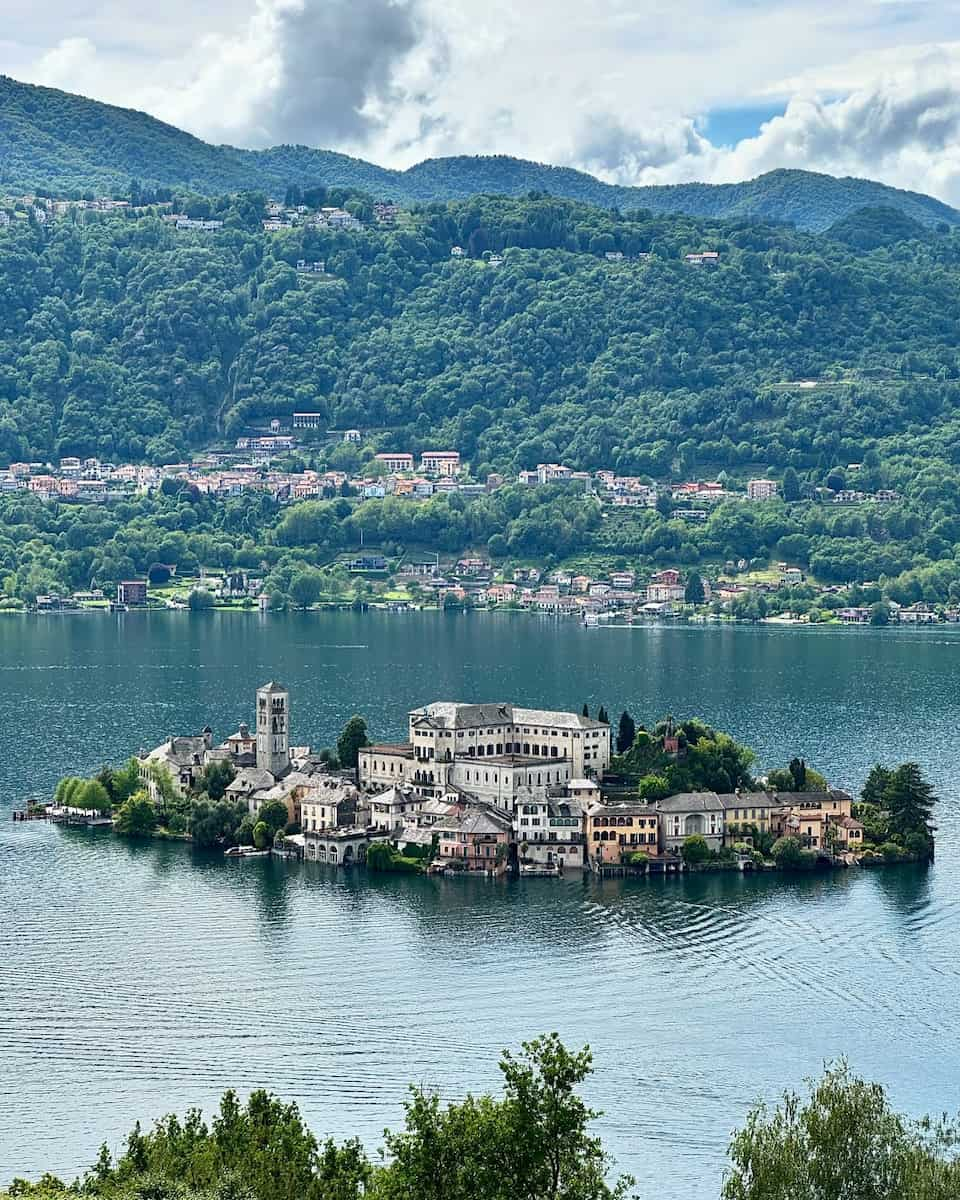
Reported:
(488, 750)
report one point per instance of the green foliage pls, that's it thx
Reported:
(352, 739)
(693, 592)
(136, 817)
(200, 599)
(652, 788)
(709, 761)
(215, 778)
(626, 732)
(92, 796)
(789, 855)
(880, 613)
(158, 574)
(695, 850)
(869, 228)
(841, 1140)
(876, 784)
(534, 1142)
(876, 827)
(380, 856)
(214, 824)
(909, 801)
(274, 815)
(261, 835)
(798, 777)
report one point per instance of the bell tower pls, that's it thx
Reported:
(273, 729)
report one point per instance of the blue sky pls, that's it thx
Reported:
(728, 126)
(662, 91)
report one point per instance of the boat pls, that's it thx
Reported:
(541, 870)
(245, 852)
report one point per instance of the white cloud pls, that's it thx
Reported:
(614, 87)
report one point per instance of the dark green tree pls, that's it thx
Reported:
(351, 741)
(876, 784)
(626, 732)
(693, 592)
(909, 800)
(790, 488)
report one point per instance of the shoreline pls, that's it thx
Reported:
(675, 622)
(672, 870)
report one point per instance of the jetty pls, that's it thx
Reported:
(80, 817)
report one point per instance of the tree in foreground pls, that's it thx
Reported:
(533, 1143)
(841, 1142)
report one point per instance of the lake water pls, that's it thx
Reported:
(136, 980)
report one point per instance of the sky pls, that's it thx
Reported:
(663, 91)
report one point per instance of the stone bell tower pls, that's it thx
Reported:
(273, 729)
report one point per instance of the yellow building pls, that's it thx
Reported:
(613, 830)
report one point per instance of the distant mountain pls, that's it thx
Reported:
(61, 142)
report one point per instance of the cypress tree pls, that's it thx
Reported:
(909, 800)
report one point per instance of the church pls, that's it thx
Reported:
(267, 767)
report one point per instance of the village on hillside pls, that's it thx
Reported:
(254, 466)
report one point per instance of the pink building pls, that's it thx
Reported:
(477, 840)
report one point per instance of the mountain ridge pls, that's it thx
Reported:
(57, 141)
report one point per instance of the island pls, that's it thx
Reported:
(498, 788)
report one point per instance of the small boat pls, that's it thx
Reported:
(245, 852)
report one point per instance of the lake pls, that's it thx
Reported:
(140, 979)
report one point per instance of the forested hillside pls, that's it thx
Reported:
(123, 338)
(66, 144)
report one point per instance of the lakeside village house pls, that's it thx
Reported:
(486, 787)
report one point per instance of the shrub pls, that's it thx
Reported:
(695, 850)
(158, 574)
(638, 859)
(891, 852)
(918, 844)
(789, 855)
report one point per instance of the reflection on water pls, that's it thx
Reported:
(135, 979)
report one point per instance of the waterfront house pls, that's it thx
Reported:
(549, 829)
(390, 809)
(132, 591)
(329, 802)
(477, 840)
(691, 813)
(618, 828)
(745, 812)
